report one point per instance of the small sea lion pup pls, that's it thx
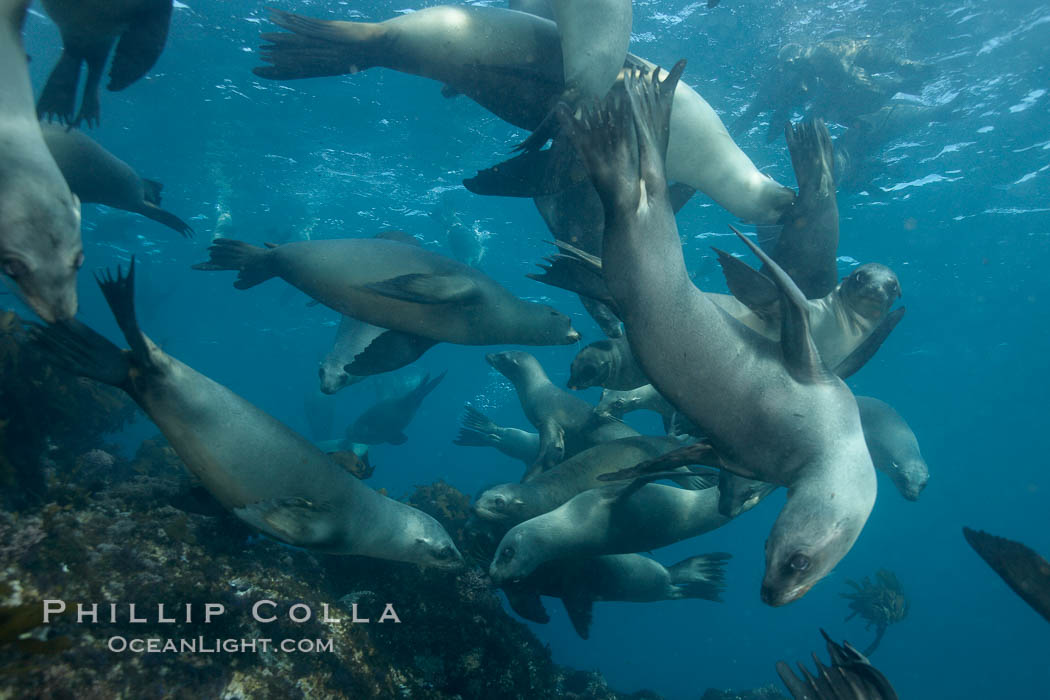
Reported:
(805, 433)
(893, 446)
(606, 363)
(423, 298)
(628, 578)
(89, 29)
(268, 475)
(97, 176)
(40, 248)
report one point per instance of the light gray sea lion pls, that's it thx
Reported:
(609, 520)
(772, 411)
(849, 677)
(266, 474)
(386, 421)
(567, 424)
(893, 446)
(511, 504)
(1021, 567)
(606, 363)
(40, 248)
(629, 578)
(97, 176)
(351, 340)
(478, 430)
(422, 297)
(510, 63)
(89, 29)
(645, 398)
(540, 8)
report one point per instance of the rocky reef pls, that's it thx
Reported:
(768, 692)
(154, 538)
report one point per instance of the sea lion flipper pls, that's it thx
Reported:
(801, 358)
(524, 175)
(293, 520)
(738, 494)
(140, 46)
(163, 216)
(526, 603)
(680, 193)
(866, 350)
(389, 350)
(119, 292)
(552, 448)
(698, 453)
(753, 289)
(702, 576)
(572, 274)
(1024, 570)
(423, 288)
(580, 610)
(81, 350)
(58, 99)
(251, 262)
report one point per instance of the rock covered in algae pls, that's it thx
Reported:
(134, 542)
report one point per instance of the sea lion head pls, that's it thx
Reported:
(870, 290)
(591, 366)
(513, 560)
(40, 247)
(910, 477)
(500, 503)
(547, 326)
(513, 364)
(334, 376)
(432, 546)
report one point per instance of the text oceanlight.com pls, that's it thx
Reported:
(202, 645)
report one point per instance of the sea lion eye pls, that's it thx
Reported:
(320, 372)
(445, 552)
(507, 554)
(79, 261)
(498, 500)
(799, 562)
(14, 268)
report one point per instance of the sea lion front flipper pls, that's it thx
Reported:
(1023, 570)
(750, 287)
(388, 351)
(580, 610)
(530, 174)
(421, 288)
(293, 520)
(698, 453)
(140, 46)
(526, 603)
(552, 449)
(572, 274)
(866, 350)
(801, 357)
(679, 193)
(59, 97)
(737, 494)
(163, 216)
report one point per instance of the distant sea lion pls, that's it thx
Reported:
(567, 424)
(893, 446)
(89, 29)
(1023, 570)
(422, 297)
(510, 63)
(97, 176)
(351, 340)
(386, 420)
(606, 363)
(608, 520)
(802, 428)
(478, 430)
(630, 578)
(267, 475)
(40, 248)
(511, 504)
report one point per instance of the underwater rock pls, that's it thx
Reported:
(766, 692)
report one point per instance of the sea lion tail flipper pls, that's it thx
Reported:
(812, 157)
(570, 273)
(81, 350)
(140, 46)
(389, 350)
(580, 610)
(423, 288)
(651, 100)
(801, 357)
(698, 453)
(59, 97)
(317, 47)
(476, 421)
(251, 262)
(428, 385)
(526, 603)
(163, 216)
(119, 292)
(866, 350)
(702, 576)
(753, 289)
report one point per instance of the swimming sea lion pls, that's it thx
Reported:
(567, 424)
(850, 677)
(89, 29)
(629, 578)
(385, 421)
(893, 446)
(772, 411)
(1021, 567)
(266, 474)
(511, 504)
(606, 363)
(510, 63)
(351, 340)
(411, 291)
(40, 248)
(645, 398)
(97, 176)
(478, 430)
(608, 520)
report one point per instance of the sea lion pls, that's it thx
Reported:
(510, 63)
(773, 411)
(629, 578)
(893, 446)
(540, 8)
(478, 430)
(40, 247)
(606, 363)
(608, 520)
(567, 424)
(351, 340)
(850, 677)
(645, 398)
(266, 474)
(89, 29)
(510, 504)
(386, 420)
(421, 296)
(97, 176)
(1023, 570)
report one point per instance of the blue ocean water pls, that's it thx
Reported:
(959, 209)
